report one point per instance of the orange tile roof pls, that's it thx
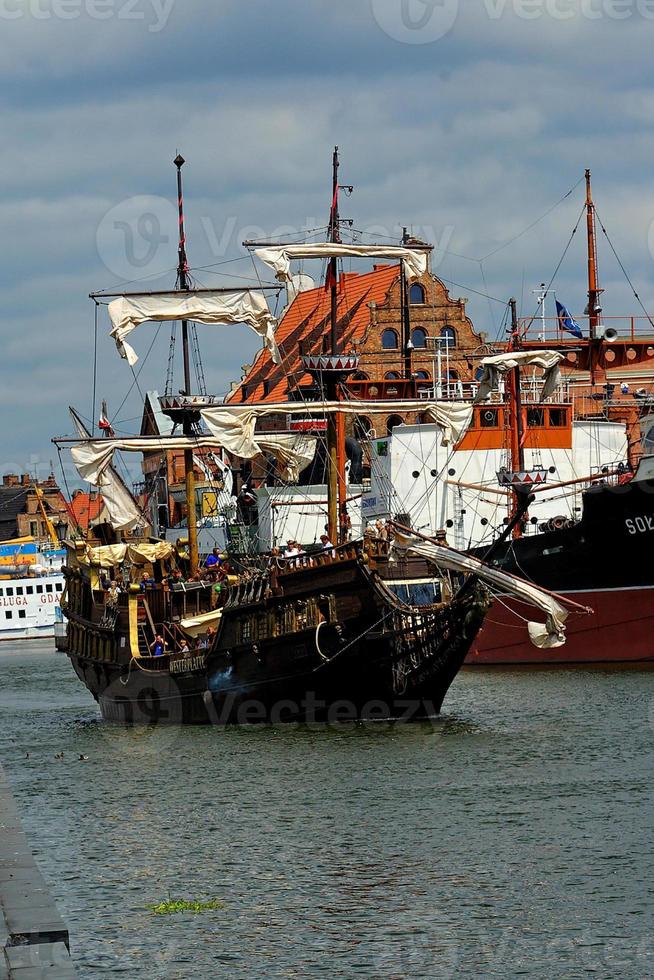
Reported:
(86, 507)
(308, 320)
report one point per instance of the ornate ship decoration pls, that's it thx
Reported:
(361, 628)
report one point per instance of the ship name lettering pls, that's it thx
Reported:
(17, 601)
(640, 525)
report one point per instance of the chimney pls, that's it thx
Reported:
(25, 480)
(11, 480)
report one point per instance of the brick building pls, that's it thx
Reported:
(370, 323)
(20, 511)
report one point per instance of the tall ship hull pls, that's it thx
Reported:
(603, 562)
(325, 639)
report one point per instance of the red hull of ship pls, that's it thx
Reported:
(620, 631)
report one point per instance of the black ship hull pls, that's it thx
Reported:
(327, 642)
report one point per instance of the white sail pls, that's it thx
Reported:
(241, 306)
(235, 431)
(278, 257)
(236, 422)
(546, 636)
(124, 513)
(499, 364)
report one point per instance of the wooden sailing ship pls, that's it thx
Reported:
(354, 630)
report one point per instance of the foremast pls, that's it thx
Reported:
(594, 309)
(188, 417)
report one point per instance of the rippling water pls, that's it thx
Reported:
(510, 838)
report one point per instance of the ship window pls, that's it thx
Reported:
(29, 590)
(557, 417)
(8, 614)
(10, 590)
(535, 417)
(19, 590)
(2, 591)
(39, 589)
(48, 587)
(59, 587)
(488, 418)
(246, 630)
(21, 614)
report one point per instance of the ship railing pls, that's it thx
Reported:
(339, 553)
(530, 390)
(627, 328)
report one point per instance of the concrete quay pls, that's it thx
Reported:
(34, 941)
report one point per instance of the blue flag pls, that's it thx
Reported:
(566, 322)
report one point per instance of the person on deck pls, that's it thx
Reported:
(158, 646)
(326, 543)
(213, 559)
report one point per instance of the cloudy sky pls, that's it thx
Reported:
(465, 120)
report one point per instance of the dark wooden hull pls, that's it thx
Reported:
(329, 643)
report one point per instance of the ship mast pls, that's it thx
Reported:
(594, 292)
(187, 424)
(336, 488)
(516, 450)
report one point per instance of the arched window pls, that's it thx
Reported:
(389, 340)
(362, 427)
(392, 421)
(360, 376)
(449, 336)
(417, 295)
(453, 375)
(419, 337)
(422, 376)
(392, 376)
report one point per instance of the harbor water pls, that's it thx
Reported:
(511, 837)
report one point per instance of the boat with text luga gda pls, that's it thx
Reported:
(355, 629)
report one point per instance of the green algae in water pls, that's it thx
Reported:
(173, 908)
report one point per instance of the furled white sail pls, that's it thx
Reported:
(494, 367)
(235, 430)
(546, 636)
(452, 417)
(124, 513)
(279, 257)
(240, 306)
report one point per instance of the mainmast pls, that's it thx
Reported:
(594, 292)
(329, 369)
(187, 424)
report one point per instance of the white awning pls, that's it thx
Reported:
(278, 257)
(546, 636)
(240, 306)
(499, 364)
